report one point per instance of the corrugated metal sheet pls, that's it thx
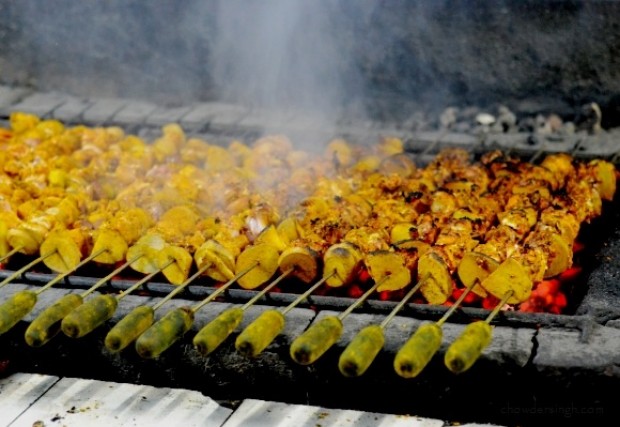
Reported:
(31, 400)
(258, 413)
(35, 400)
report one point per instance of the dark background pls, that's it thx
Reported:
(326, 55)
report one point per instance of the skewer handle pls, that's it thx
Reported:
(361, 351)
(48, 324)
(260, 333)
(165, 332)
(15, 308)
(413, 357)
(316, 340)
(89, 315)
(129, 328)
(216, 331)
(466, 349)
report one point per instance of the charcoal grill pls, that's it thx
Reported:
(570, 357)
(540, 368)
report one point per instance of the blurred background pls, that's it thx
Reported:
(369, 58)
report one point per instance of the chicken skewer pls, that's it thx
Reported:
(416, 353)
(303, 261)
(47, 325)
(110, 247)
(213, 334)
(88, 315)
(297, 260)
(21, 303)
(142, 317)
(362, 350)
(340, 264)
(265, 328)
(432, 270)
(512, 283)
(318, 338)
(476, 336)
(151, 243)
(63, 254)
(151, 255)
(37, 235)
(383, 266)
(159, 336)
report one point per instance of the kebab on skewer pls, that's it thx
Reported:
(255, 265)
(177, 222)
(260, 260)
(160, 249)
(216, 256)
(344, 256)
(436, 276)
(456, 237)
(473, 269)
(110, 247)
(511, 282)
(315, 234)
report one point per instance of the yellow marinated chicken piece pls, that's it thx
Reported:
(8, 221)
(218, 159)
(131, 224)
(21, 122)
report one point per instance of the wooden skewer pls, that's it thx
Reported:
(99, 309)
(476, 336)
(142, 281)
(10, 254)
(21, 303)
(363, 349)
(266, 327)
(25, 268)
(94, 312)
(306, 294)
(116, 271)
(417, 352)
(70, 271)
(215, 332)
(317, 339)
(165, 332)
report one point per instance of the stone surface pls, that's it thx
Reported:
(72, 110)
(40, 104)
(164, 115)
(102, 110)
(19, 392)
(203, 115)
(34, 399)
(9, 96)
(598, 353)
(134, 113)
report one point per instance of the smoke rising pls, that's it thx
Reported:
(285, 53)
